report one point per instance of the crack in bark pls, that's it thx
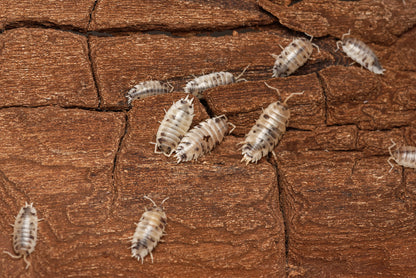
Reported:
(94, 76)
(113, 169)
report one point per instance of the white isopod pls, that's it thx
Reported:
(404, 155)
(174, 126)
(203, 138)
(147, 89)
(292, 57)
(360, 53)
(267, 131)
(148, 232)
(199, 84)
(25, 233)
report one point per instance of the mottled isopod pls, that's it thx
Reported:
(360, 53)
(148, 232)
(147, 89)
(199, 84)
(292, 57)
(174, 126)
(203, 138)
(404, 155)
(267, 131)
(25, 233)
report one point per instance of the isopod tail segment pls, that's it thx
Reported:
(28, 264)
(391, 155)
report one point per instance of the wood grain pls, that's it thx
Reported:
(45, 67)
(65, 14)
(177, 15)
(369, 20)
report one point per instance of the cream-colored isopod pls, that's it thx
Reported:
(203, 138)
(25, 233)
(148, 232)
(267, 131)
(403, 155)
(360, 53)
(175, 124)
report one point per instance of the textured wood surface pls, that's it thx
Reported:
(326, 206)
(375, 21)
(178, 15)
(63, 14)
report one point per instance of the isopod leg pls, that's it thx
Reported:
(232, 127)
(317, 47)
(151, 256)
(291, 95)
(338, 43)
(156, 151)
(391, 164)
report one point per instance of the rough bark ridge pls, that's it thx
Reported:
(326, 206)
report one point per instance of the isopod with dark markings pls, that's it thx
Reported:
(203, 138)
(147, 89)
(360, 53)
(404, 156)
(175, 124)
(25, 233)
(199, 84)
(292, 57)
(148, 232)
(267, 131)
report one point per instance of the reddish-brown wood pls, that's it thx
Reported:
(327, 206)
(45, 67)
(66, 14)
(177, 15)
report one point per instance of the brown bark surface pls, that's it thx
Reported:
(325, 206)
(65, 14)
(178, 15)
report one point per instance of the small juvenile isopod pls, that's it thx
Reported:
(25, 233)
(174, 125)
(199, 84)
(147, 89)
(203, 138)
(267, 131)
(404, 155)
(360, 53)
(148, 232)
(292, 57)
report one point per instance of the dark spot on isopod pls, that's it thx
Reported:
(294, 44)
(206, 138)
(366, 65)
(187, 143)
(197, 149)
(266, 116)
(162, 134)
(160, 140)
(183, 157)
(172, 116)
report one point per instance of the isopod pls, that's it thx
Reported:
(148, 232)
(175, 124)
(147, 89)
(360, 53)
(25, 233)
(199, 84)
(404, 155)
(267, 131)
(203, 138)
(293, 57)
